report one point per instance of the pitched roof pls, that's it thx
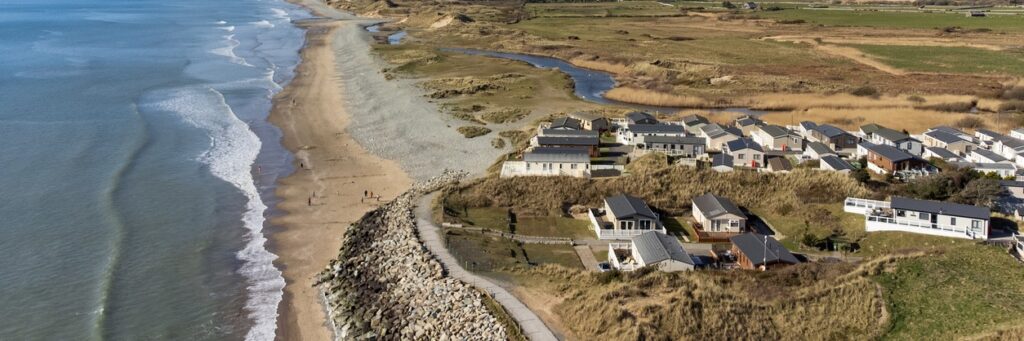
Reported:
(694, 119)
(653, 247)
(638, 116)
(988, 154)
(557, 155)
(568, 140)
(1011, 183)
(566, 122)
(830, 131)
(569, 133)
(870, 128)
(942, 153)
(715, 206)
(889, 152)
(890, 134)
(585, 116)
(761, 249)
(836, 163)
(819, 148)
(780, 164)
(671, 139)
(986, 166)
(948, 130)
(939, 207)
(744, 143)
(748, 121)
(775, 131)
(657, 129)
(943, 136)
(1013, 143)
(715, 131)
(624, 206)
(721, 160)
(808, 125)
(990, 133)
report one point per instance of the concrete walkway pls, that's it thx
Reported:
(532, 326)
(587, 257)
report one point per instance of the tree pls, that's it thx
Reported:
(861, 175)
(980, 192)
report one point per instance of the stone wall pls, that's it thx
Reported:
(385, 284)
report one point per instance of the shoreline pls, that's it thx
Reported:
(325, 193)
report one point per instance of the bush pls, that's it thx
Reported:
(865, 91)
(916, 99)
(950, 107)
(1012, 106)
(473, 131)
(1013, 93)
(498, 143)
(728, 5)
(970, 122)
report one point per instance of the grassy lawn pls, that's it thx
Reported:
(948, 59)
(563, 255)
(897, 19)
(496, 218)
(679, 225)
(962, 292)
(875, 243)
(481, 253)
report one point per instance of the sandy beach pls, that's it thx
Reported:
(325, 194)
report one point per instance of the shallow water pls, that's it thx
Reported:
(129, 131)
(590, 85)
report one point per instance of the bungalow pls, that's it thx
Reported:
(747, 123)
(775, 137)
(1013, 188)
(834, 137)
(955, 132)
(935, 218)
(886, 159)
(745, 153)
(1002, 169)
(717, 136)
(718, 214)
(688, 146)
(591, 121)
(985, 156)
(779, 164)
(694, 122)
(638, 117)
(628, 135)
(568, 133)
(877, 134)
(951, 142)
(1008, 147)
(721, 163)
(756, 251)
(834, 163)
(565, 123)
(624, 217)
(542, 161)
(806, 129)
(654, 249)
(941, 154)
(590, 143)
(987, 137)
(816, 150)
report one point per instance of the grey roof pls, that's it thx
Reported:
(890, 134)
(775, 131)
(566, 122)
(836, 163)
(808, 125)
(985, 166)
(657, 129)
(948, 130)
(1011, 142)
(569, 133)
(780, 164)
(1011, 183)
(714, 206)
(990, 133)
(557, 155)
(747, 121)
(870, 128)
(721, 160)
(943, 136)
(819, 148)
(568, 140)
(939, 207)
(624, 206)
(830, 131)
(889, 152)
(655, 247)
(694, 119)
(740, 144)
(638, 116)
(585, 116)
(988, 154)
(762, 250)
(671, 139)
(715, 131)
(942, 153)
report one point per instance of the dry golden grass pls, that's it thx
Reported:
(912, 120)
(599, 65)
(648, 97)
(780, 101)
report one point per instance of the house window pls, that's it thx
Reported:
(740, 156)
(975, 224)
(645, 224)
(901, 213)
(559, 166)
(734, 223)
(572, 166)
(924, 216)
(626, 225)
(952, 221)
(527, 166)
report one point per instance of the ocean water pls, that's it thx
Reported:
(137, 167)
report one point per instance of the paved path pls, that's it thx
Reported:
(587, 257)
(532, 326)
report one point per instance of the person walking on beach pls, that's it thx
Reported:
(310, 201)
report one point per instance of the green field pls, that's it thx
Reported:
(600, 9)
(483, 253)
(961, 292)
(948, 59)
(496, 219)
(898, 19)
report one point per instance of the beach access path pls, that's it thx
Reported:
(531, 325)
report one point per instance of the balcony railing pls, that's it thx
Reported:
(884, 223)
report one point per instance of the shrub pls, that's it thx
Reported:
(865, 91)
(473, 131)
(1012, 106)
(728, 5)
(950, 107)
(970, 122)
(916, 99)
(498, 143)
(1013, 93)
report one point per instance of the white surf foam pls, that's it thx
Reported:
(232, 152)
(262, 23)
(222, 22)
(227, 28)
(229, 51)
(280, 13)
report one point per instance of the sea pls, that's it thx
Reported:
(137, 167)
